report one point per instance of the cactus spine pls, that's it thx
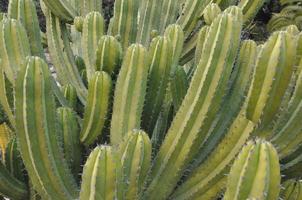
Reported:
(39, 144)
(129, 93)
(255, 174)
(199, 107)
(108, 55)
(93, 29)
(96, 108)
(99, 175)
(135, 154)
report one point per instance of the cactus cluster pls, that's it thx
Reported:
(168, 100)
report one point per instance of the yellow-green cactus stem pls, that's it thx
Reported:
(63, 9)
(130, 90)
(71, 95)
(291, 190)
(200, 42)
(99, 175)
(37, 133)
(62, 56)
(70, 135)
(108, 55)
(255, 173)
(25, 12)
(161, 59)
(199, 107)
(250, 8)
(274, 68)
(210, 13)
(78, 23)
(93, 30)
(125, 21)
(135, 154)
(14, 47)
(99, 91)
(87, 6)
(207, 177)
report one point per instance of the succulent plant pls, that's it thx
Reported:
(157, 104)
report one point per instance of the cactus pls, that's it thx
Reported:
(96, 107)
(99, 175)
(62, 9)
(39, 144)
(291, 190)
(108, 55)
(200, 106)
(210, 13)
(10, 186)
(5, 136)
(25, 12)
(93, 29)
(70, 95)
(255, 173)
(135, 154)
(250, 8)
(69, 130)
(273, 72)
(161, 58)
(129, 93)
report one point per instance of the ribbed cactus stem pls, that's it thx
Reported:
(62, 9)
(129, 93)
(99, 91)
(135, 154)
(291, 190)
(37, 133)
(250, 8)
(200, 106)
(25, 12)
(14, 47)
(210, 13)
(255, 174)
(108, 55)
(70, 132)
(71, 95)
(161, 59)
(274, 68)
(93, 30)
(99, 175)
(125, 21)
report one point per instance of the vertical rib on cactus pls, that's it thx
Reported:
(63, 9)
(291, 190)
(273, 72)
(250, 8)
(70, 133)
(93, 29)
(135, 154)
(14, 47)
(213, 169)
(161, 59)
(179, 86)
(234, 101)
(87, 6)
(210, 13)
(5, 136)
(191, 14)
(25, 12)
(129, 93)
(255, 174)
(125, 21)
(176, 36)
(96, 109)
(200, 106)
(70, 95)
(99, 175)
(200, 43)
(62, 56)
(108, 55)
(36, 133)
(11, 187)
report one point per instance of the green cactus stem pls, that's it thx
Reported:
(255, 174)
